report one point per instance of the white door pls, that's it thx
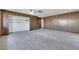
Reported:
(18, 23)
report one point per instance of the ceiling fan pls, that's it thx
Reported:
(35, 11)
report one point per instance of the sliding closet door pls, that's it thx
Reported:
(18, 23)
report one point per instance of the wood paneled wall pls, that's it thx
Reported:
(35, 23)
(4, 25)
(0, 23)
(65, 22)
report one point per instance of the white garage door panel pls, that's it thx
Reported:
(18, 23)
(20, 27)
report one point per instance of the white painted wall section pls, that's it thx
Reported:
(42, 23)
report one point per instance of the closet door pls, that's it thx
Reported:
(18, 23)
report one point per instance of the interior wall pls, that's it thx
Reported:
(35, 23)
(42, 23)
(0, 23)
(5, 24)
(65, 22)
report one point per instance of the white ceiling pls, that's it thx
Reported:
(45, 13)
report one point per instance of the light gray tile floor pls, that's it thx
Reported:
(41, 39)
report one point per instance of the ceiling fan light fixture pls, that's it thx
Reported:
(31, 12)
